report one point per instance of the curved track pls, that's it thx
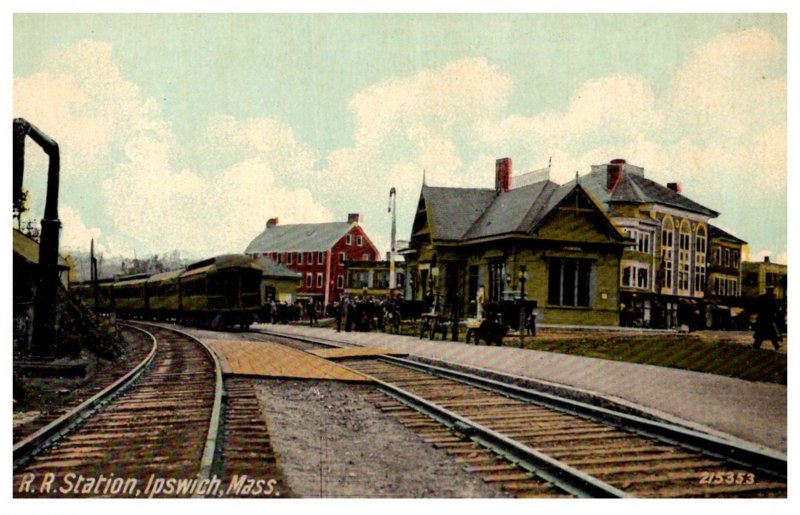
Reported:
(582, 449)
(140, 346)
(153, 433)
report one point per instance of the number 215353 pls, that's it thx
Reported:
(728, 478)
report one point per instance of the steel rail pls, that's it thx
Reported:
(560, 474)
(34, 443)
(210, 447)
(556, 472)
(764, 461)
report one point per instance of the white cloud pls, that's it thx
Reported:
(463, 91)
(75, 235)
(730, 87)
(723, 114)
(603, 113)
(113, 136)
(81, 100)
(167, 209)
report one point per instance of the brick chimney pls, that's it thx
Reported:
(614, 173)
(674, 186)
(354, 218)
(272, 222)
(502, 174)
(766, 259)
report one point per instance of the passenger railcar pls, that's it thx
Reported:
(220, 292)
(163, 295)
(130, 299)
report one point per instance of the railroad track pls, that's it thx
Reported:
(172, 427)
(247, 462)
(535, 444)
(139, 348)
(155, 425)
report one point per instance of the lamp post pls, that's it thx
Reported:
(523, 276)
(434, 279)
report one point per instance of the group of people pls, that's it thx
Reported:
(275, 312)
(356, 313)
(362, 313)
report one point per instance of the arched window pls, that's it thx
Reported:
(684, 254)
(667, 241)
(700, 258)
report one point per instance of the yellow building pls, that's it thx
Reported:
(278, 282)
(470, 246)
(758, 275)
(663, 274)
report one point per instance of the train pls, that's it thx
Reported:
(216, 293)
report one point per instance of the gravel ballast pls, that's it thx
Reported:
(333, 442)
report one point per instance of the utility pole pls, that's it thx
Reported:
(393, 210)
(95, 286)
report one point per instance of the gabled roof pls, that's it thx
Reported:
(274, 269)
(462, 214)
(715, 233)
(299, 237)
(452, 211)
(515, 210)
(635, 188)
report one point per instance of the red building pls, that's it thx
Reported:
(318, 251)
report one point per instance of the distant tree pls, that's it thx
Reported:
(20, 207)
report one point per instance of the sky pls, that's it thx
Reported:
(189, 131)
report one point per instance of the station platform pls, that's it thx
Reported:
(735, 409)
(263, 359)
(354, 352)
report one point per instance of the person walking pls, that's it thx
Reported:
(311, 309)
(349, 311)
(337, 313)
(766, 329)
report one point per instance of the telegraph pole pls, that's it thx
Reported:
(93, 276)
(393, 210)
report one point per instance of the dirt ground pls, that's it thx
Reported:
(332, 442)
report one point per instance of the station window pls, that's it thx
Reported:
(360, 241)
(568, 282)
(349, 239)
(341, 257)
(299, 258)
(319, 279)
(309, 280)
(289, 258)
(340, 282)
(321, 258)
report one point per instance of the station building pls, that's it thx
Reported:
(469, 246)
(319, 252)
